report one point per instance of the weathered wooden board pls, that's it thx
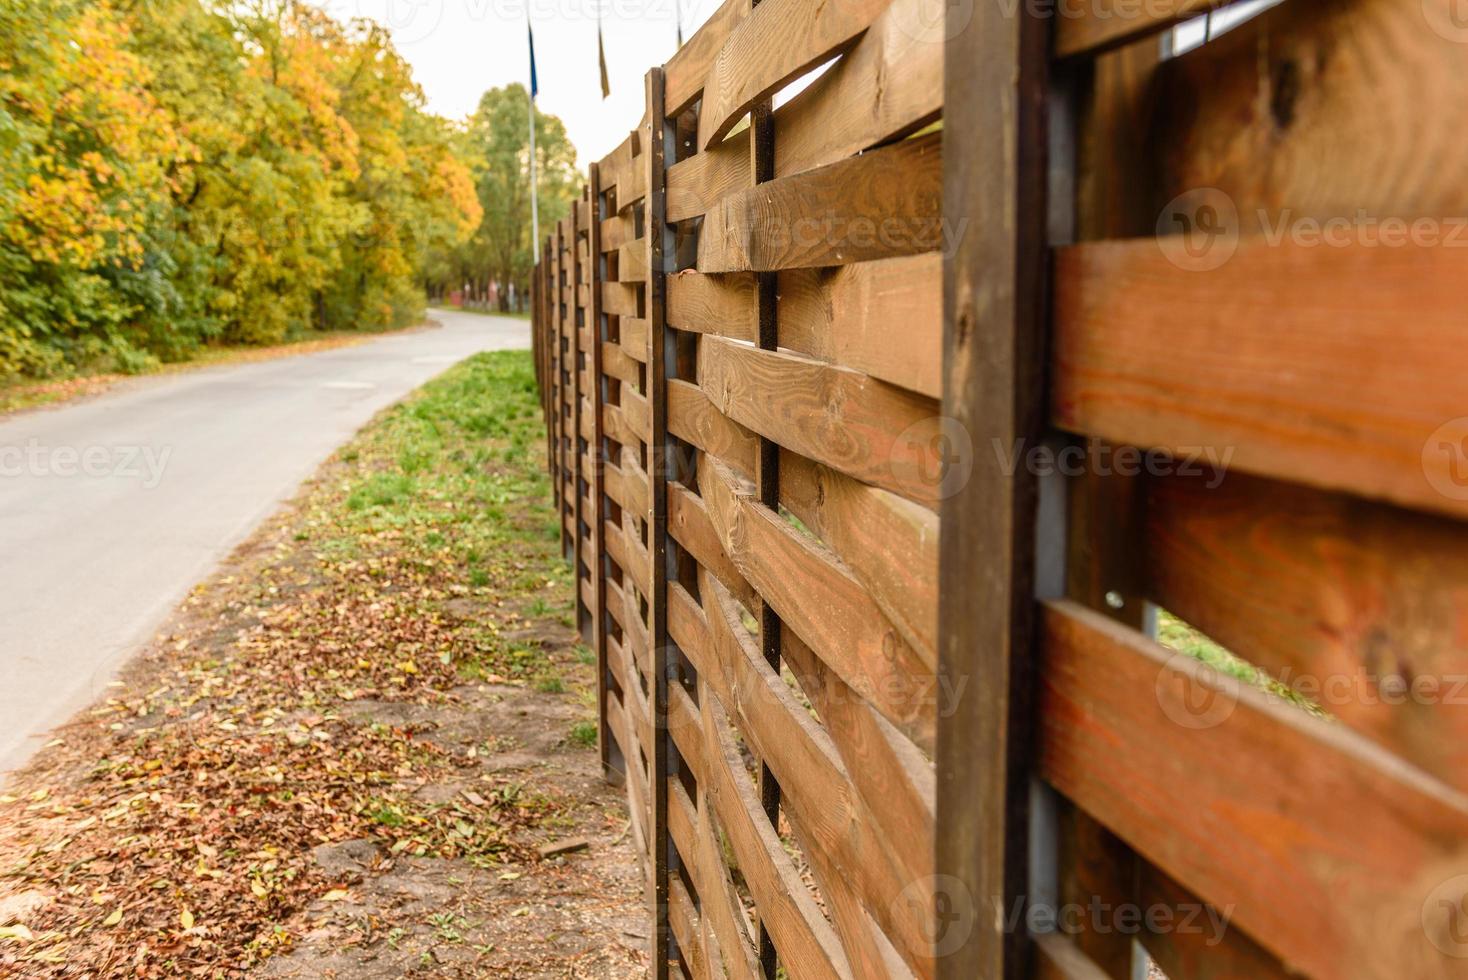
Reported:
(884, 318)
(1243, 801)
(1337, 367)
(878, 205)
(888, 84)
(1356, 606)
(779, 41)
(877, 433)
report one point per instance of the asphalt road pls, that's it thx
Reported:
(113, 508)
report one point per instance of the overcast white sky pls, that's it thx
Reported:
(459, 48)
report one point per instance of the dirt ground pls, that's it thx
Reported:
(362, 749)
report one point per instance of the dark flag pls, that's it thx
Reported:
(534, 82)
(601, 56)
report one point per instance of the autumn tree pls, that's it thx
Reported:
(174, 172)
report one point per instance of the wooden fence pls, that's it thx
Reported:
(884, 421)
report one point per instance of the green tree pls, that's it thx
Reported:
(499, 141)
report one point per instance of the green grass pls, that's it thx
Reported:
(1178, 635)
(454, 476)
(583, 733)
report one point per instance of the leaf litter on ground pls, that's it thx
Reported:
(366, 673)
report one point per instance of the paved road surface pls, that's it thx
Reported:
(112, 509)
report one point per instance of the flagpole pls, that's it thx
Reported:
(534, 182)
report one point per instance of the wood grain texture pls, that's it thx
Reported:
(687, 929)
(823, 603)
(778, 42)
(1324, 109)
(804, 758)
(881, 204)
(884, 318)
(695, 184)
(693, 834)
(877, 433)
(994, 189)
(889, 544)
(808, 945)
(1359, 606)
(1337, 367)
(688, 68)
(695, 420)
(620, 299)
(688, 522)
(634, 338)
(721, 305)
(889, 84)
(1243, 801)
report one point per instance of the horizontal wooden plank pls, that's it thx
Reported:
(687, 930)
(875, 432)
(778, 42)
(887, 85)
(1357, 606)
(617, 231)
(615, 363)
(881, 204)
(1099, 24)
(818, 790)
(633, 338)
(614, 424)
(615, 165)
(1337, 367)
(695, 184)
(807, 944)
(689, 66)
(632, 261)
(1199, 952)
(695, 420)
(636, 486)
(721, 305)
(824, 603)
(620, 299)
(1356, 112)
(636, 413)
(884, 318)
(692, 834)
(889, 544)
(1243, 801)
(689, 524)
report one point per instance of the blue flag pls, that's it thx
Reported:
(534, 83)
